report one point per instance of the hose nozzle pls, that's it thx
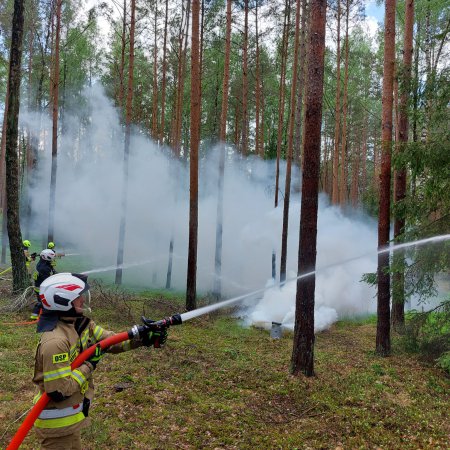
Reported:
(163, 323)
(138, 330)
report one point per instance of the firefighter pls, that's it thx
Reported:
(51, 246)
(44, 269)
(26, 251)
(66, 332)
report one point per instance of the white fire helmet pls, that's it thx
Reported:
(47, 254)
(58, 292)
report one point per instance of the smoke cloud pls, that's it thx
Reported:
(88, 201)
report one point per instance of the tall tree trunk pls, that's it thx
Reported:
(257, 89)
(245, 83)
(42, 74)
(355, 174)
(180, 87)
(128, 117)
(226, 76)
(31, 139)
(155, 78)
(262, 116)
(398, 298)
(364, 154)
(191, 285)
(3, 178)
(3, 151)
(202, 23)
(325, 156)
(283, 58)
(287, 189)
(343, 183)
(177, 86)
(122, 57)
(302, 360)
(337, 113)
(301, 82)
(164, 68)
(19, 271)
(383, 339)
(237, 122)
(4, 227)
(55, 93)
(217, 289)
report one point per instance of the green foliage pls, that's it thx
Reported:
(428, 333)
(444, 362)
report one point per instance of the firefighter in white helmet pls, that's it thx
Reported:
(66, 332)
(44, 269)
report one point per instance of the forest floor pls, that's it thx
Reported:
(217, 385)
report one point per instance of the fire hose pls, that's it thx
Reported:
(136, 330)
(5, 271)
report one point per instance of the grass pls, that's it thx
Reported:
(217, 385)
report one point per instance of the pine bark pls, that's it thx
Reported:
(217, 289)
(226, 76)
(337, 113)
(301, 83)
(283, 58)
(302, 360)
(155, 78)
(128, 117)
(343, 180)
(191, 284)
(122, 57)
(3, 151)
(245, 124)
(287, 189)
(3, 178)
(398, 299)
(164, 81)
(19, 271)
(383, 340)
(364, 155)
(55, 95)
(258, 142)
(180, 85)
(355, 174)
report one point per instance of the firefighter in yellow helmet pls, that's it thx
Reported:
(66, 332)
(26, 244)
(51, 246)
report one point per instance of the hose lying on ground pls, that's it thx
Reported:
(20, 302)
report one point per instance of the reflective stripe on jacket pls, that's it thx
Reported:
(57, 418)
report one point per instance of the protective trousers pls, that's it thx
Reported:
(69, 442)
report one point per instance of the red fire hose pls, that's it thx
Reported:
(42, 402)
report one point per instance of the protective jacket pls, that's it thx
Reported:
(43, 270)
(68, 389)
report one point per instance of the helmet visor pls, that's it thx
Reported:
(82, 304)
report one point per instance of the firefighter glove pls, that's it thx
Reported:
(96, 356)
(155, 338)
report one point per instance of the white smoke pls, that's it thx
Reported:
(88, 200)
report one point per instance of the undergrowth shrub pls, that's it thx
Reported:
(428, 333)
